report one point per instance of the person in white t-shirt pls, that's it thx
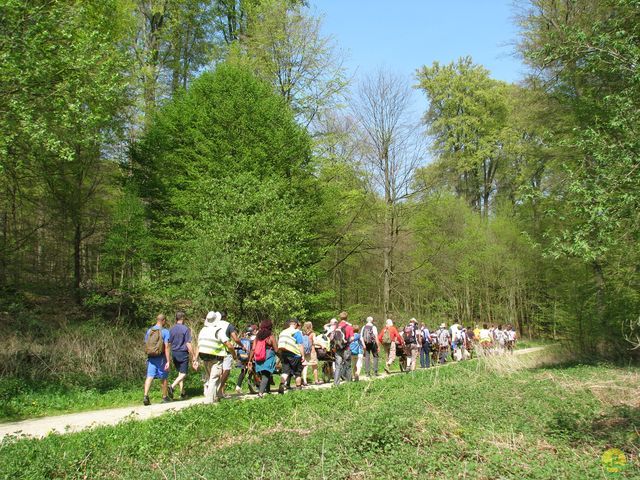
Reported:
(369, 335)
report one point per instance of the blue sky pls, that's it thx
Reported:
(403, 35)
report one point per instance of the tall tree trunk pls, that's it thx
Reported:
(77, 259)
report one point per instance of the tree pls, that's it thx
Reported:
(64, 89)
(285, 47)
(587, 54)
(392, 152)
(466, 116)
(223, 158)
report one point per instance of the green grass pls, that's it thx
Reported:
(468, 420)
(22, 399)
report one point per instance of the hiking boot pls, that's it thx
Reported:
(170, 392)
(166, 400)
(146, 400)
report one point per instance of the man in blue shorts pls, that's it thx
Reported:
(181, 349)
(156, 346)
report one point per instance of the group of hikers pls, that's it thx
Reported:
(343, 348)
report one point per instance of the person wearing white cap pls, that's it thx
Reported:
(213, 346)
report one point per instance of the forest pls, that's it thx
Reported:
(159, 155)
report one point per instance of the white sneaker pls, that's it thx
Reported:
(238, 389)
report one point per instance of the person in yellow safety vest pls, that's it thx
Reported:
(212, 348)
(291, 348)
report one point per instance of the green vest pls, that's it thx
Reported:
(211, 339)
(287, 342)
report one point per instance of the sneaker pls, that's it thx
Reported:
(183, 396)
(386, 369)
(166, 400)
(238, 389)
(146, 400)
(170, 391)
(281, 389)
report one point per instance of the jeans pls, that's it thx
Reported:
(265, 382)
(243, 373)
(371, 350)
(342, 366)
(425, 352)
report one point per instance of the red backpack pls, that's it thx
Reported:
(260, 352)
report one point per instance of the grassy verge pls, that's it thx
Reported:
(493, 419)
(21, 399)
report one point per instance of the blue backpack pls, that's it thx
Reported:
(306, 344)
(355, 345)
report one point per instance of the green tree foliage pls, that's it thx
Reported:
(587, 55)
(225, 170)
(63, 89)
(284, 45)
(466, 116)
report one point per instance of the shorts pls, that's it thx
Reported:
(155, 367)
(181, 361)
(227, 363)
(291, 365)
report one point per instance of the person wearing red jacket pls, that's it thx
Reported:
(389, 338)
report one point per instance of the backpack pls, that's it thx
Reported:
(386, 336)
(306, 344)
(338, 340)
(367, 334)
(260, 352)
(409, 337)
(355, 345)
(154, 344)
(443, 337)
(243, 353)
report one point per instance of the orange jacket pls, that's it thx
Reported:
(393, 334)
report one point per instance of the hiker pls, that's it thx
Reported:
(181, 350)
(262, 359)
(371, 347)
(471, 340)
(389, 337)
(444, 342)
(310, 354)
(349, 333)
(411, 346)
(227, 365)
(456, 339)
(357, 353)
(425, 346)
(485, 340)
(156, 346)
(213, 347)
(291, 354)
(243, 355)
(501, 339)
(511, 339)
(341, 353)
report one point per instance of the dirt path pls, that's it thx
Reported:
(74, 422)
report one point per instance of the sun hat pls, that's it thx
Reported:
(212, 317)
